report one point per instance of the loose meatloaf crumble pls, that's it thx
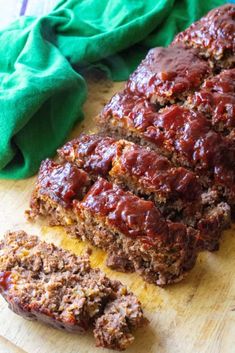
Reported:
(131, 230)
(168, 74)
(216, 99)
(176, 191)
(43, 282)
(183, 135)
(214, 36)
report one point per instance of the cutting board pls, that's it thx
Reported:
(194, 316)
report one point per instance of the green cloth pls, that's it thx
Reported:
(41, 94)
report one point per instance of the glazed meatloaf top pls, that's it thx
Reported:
(63, 183)
(187, 137)
(216, 99)
(172, 129)
(121, 160)
(93, 153)
(133, 111)
(131, 215)
(213, 34)
(114, 220)
(44, 282)
(167, 74)
(128, 214)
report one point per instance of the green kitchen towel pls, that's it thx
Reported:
(41, 93)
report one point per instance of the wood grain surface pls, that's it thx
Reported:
(194, 316)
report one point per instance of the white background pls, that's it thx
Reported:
(10, 9)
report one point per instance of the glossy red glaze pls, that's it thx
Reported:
(174, 129)
(94, 153)
(168, 73)
(5, 280)
(155, 173)
(129, 214)
(62, 183)
(137, 112)
(217, 98)
(188, 134)
(185, 135)
(215, 32)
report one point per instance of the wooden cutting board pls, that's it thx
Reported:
(194, 316)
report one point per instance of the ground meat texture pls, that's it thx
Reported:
(114, 319)
(43, 282)
(130, 229)
(185, 136)
(213, 35)
(216, 99)
(168, 74)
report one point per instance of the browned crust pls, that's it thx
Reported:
(216, 99)
(214, 36)
(168, 74)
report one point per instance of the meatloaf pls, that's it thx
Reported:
(43, 282)
(214, 36)
(216, 99)
(131, 230)
(168, 74)
(175, 190)
(183, 135)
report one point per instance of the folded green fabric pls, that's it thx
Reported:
(41, 94)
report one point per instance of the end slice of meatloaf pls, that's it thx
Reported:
(213, 35)
(216, 99)
(93, 153)
(168, 74)
(43, 282)
(131, 230)
(185, 136)
(176, 191)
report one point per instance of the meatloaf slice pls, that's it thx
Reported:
(168, 74)
(185, 136)
(213, 35)
(216, 99)
(93, 153)
(43, 282)
(140, 169)
(175, 190)
(131, 230)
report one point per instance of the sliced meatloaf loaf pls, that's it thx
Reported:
(183, 135)
(213, 35)
(168, 74)
(43, 282)
(175, 190)
(132, 230)
(216, 99)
